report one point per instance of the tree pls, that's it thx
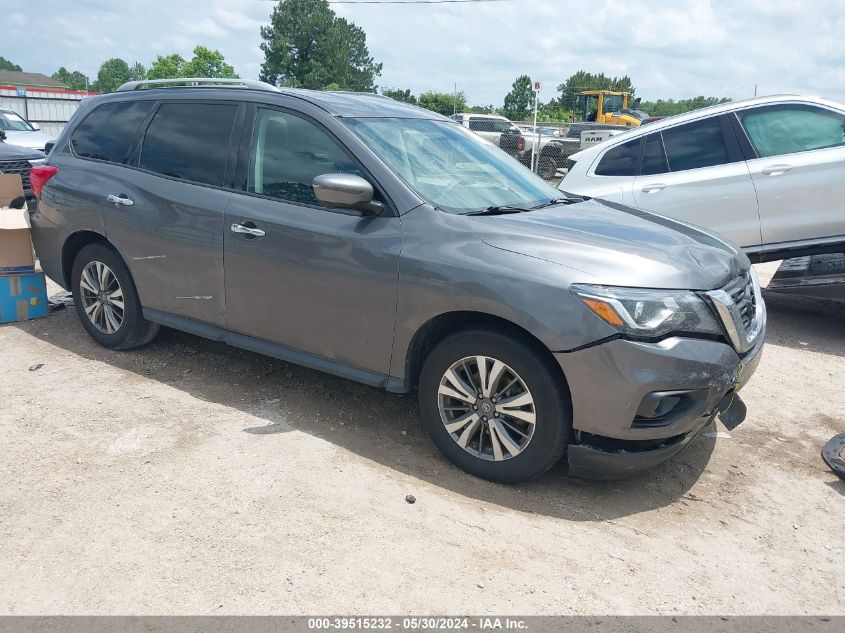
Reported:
(166, 67)
(582, 80)
(208, 63)
(668, 107)
(137, 72)
(306, 45)
(112, 73)
(5, 64)
(400, 95)
(483, 109)
(518, 102)
(443, 102)
(72, 80)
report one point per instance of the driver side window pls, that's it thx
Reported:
(287, 153)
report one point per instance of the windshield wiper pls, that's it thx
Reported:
(551, 203)
(499, 210)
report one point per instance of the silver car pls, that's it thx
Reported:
(767, 173)
(21, 132)
(381, 242)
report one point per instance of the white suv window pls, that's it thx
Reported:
(791, 128)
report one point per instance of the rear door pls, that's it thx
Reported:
(799, 171)
(612, 178)
(166, 216)
(314, 279)
(695, 172)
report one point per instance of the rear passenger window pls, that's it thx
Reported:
(189, 141)
(622, 160)
(287, 153)
(654, 158)
(107, 132)
(695, 145)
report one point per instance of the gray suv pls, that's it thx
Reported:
(381, 242)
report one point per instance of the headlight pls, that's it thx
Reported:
(645, 313)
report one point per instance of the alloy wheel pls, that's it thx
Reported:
(486, 408)
(102, 297)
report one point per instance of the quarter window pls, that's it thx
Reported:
(108, 131)
(786, 129)
(695, 145)
(622, 160)
(287, 153)
(189, 141)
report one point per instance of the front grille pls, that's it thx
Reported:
(741, 310)
(21, 167)
(742, 293)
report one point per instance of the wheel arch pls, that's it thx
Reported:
(439, 327)
(75, 243)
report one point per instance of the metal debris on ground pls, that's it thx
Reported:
(60, 300)
(36, 367)
(410, 498)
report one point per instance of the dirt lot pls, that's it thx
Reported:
(193, 478)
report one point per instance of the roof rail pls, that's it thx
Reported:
(192, 82)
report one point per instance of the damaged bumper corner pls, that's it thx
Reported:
(635, 404)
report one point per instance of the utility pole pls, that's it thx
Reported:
(755, 90)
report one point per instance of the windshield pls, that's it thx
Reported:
(11, 122)
(450, 167)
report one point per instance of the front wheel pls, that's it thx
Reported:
(494, 406)
(106, 300)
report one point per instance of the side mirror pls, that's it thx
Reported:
(2, 135)
(35, 126)
(346, 191)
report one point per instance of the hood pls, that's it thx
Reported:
(612, 244)
(32, 140)
(15, 152)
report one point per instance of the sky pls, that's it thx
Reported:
(669, 48)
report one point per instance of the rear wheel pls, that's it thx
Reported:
(494, 406)
(546, 168)
(106, 300)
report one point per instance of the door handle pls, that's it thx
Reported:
(123, 199)
(775, 170)
(247, 230)
(654, 188)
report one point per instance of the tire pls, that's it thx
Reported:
(538, 446)
(111, 325)
(546, 168)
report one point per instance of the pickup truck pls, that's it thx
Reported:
(496, 129)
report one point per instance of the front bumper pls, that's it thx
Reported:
(611, 382)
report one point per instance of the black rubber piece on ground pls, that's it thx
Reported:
(832, 454)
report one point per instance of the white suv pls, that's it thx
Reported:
(767, 173)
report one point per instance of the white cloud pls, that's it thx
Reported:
(669, 48)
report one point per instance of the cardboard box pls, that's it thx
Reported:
(15, 242)
(11, 188)
(23, 296)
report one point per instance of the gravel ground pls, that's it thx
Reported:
(192, 478)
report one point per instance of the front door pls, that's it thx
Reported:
(799, 172)
(310, 278)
